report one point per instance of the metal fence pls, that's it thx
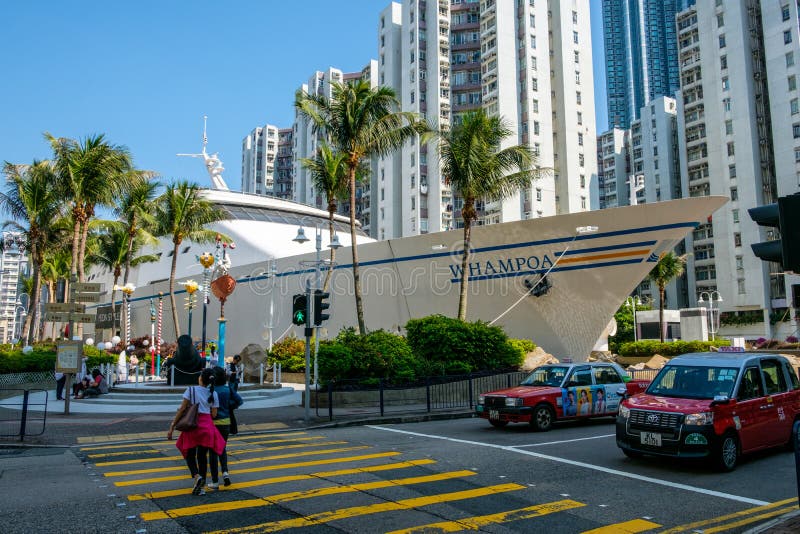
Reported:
(16, 417)
(440, 393)
(38, 377)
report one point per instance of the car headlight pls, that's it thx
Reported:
(624, 411)
(702, 418)
(481, 399)
(513, 401)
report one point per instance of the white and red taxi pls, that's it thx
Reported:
(716, 405)
(559, 391)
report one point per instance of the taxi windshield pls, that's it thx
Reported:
(546, 376)
(694, 382)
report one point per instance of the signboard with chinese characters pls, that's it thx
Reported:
(68, 356)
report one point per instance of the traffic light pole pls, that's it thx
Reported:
(308, 331)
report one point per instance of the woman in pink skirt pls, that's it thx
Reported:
(195, 444)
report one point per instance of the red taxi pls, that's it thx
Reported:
(559, 391)
(716, 405)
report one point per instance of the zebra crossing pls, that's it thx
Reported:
(319, 484)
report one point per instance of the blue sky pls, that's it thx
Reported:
(144, 73)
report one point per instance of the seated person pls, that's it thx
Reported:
(79, 387)
(97, 386)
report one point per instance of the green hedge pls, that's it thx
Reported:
(378, 354)
(290, 352)
(450, 346)
(43, 358)
(671, 348)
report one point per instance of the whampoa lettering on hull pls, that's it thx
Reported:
(503, 266)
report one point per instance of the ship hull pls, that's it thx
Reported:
(589, 275)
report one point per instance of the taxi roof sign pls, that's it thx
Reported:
(730, 349)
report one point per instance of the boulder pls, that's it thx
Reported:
(536, 358)
(656, 362)
(253, 355)
(601, 356)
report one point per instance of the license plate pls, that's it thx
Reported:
(494, 414)
(650, 438)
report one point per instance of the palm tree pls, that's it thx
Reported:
(135, 209)
(181, 213)
(360, 122)
(329, 173)
(112, 251)
(476, 167)
(33, 203)
(669, 267)
(90, 172)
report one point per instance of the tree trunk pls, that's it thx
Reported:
(362, 329)
(661, 312)
(34, 300)
(51, 293)
(82, 250)
(332, 250)
(462, 296)
(172, 290)
(76, 239)
(113, 292)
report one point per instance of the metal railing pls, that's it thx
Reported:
(438, 393)
(16, 420)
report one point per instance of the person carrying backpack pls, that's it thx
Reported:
(229, 400)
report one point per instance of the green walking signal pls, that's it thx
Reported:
(299, 309)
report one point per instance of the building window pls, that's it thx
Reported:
(583, 203)
(580, 139)
(577, 77)
(789, 59)
(726, 84)
(577, 57)
(413, 203)
(728, 127)
(787, 37)
(535, 106)
(734, 193)
(794, 106)
(735, 214)
(740, 286)
(792, 80)
(722, 41)
(578, 97)
(720, 21)
(726, 104)
(580, 160)
(538, 194)
(580, 118)
(575, 17)
(575, 37)
(785, 12)
(737, 239)
(797, 155)
(382, 194)
(796, 130)
(731, 150)
(723, 62)
(583, 180)
(731, 171)
(739, 263)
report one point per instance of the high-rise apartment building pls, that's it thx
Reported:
(282, 187)
(641, 165)
(641, 55)
(259, 150)
(528, 62)
(739, 129)
(305, 141)
(13, 263)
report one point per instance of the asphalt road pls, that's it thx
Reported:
(433, 476)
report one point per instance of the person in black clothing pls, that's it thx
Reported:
(235, 373)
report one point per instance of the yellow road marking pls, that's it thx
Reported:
(245, 461)
(751, 519)
(230, 453)
(692, 526)
(307, 438)
(476, 522)
(168, 442)
(263, 468)
(123, 453)
(155, 435)
(628, 527)
(290, 478)
(389, 506)
(297, 495)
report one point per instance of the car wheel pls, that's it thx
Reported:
(497, 423)
(728, 452)
(543, 417)
(793, 435)
(633, 455)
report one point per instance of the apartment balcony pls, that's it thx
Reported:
(466, 26)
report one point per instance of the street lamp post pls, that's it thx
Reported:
(711, 297)
(334, 244)
(271, 274)
(632, 303)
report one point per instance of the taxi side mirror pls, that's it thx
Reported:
(720, 399)
(622, 392)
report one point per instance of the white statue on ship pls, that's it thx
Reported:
(213, 163)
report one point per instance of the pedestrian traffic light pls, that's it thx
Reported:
(299, 309)
(785, 216)
(319, 306)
